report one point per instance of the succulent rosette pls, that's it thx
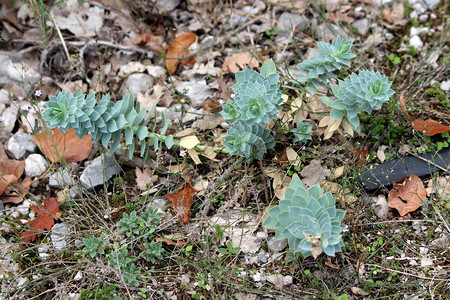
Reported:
(365, 91)
(302, 132)
(308, 219)
(315, 71)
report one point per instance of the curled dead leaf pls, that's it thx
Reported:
(58, 146)
(181, 202)
(430, 127)
(407, 195)
(44, 219)
(178, 49)
(239, 61)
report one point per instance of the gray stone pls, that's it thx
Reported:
(251, 10)
(158, 203)
(21, 143)
(166, 5)
(445, 85)
(196, 92)
(60, 179)
(416, 42)
(137, 82)
(156, 71)
(363, 26)
(58, 235)
(419, 7)
(432, 3)
(289, 21)
(236, 20)
(15, 71)
(35, 165)
(9, 118)
(99, 171)
(276, 245)
(329, 32)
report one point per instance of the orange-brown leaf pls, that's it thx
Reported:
(181, 202)
(177, 49)
(57, 146)
(16, 192)
(10, 170)
(239, 61)
(430, 127)
(44, 219)
(407, 196)
(178, 243)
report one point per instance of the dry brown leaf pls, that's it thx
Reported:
(314, 173)
(407, 196)
(145, 177)
(181, 202)
(58, 146)
(429, 127)
(150, 41)
(44, 219)
(395, 15)
(401, 100)
(10, 170)
(178, 243)
(439, 185)
(178, 49)
(239, 61)
(16, 192)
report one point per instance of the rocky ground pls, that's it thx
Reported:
(181, 56)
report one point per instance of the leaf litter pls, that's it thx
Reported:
(121, 43)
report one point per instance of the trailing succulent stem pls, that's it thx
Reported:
(315, 72)
(108, 121)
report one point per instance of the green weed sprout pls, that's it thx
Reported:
(308, 219)
(93, 246)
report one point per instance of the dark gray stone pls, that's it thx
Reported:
(394, 170)
(20, 144)
(99, 171)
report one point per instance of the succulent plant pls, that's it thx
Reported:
(106, 121)
(257, 99)
(365, 91)
(301, 133)
(314, 72)
(308, 219)
(246, 140)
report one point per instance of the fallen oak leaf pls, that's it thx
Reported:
(44, 219)
(10, 170)
(178, 243)
(239, 61)
(15, 192)
(181, 202)
(57, 146)
(407, 195)
(178, 49)
(429, 127)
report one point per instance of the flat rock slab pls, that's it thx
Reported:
(394, 170)
(99, 171)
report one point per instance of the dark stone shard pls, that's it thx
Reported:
(374, 177)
